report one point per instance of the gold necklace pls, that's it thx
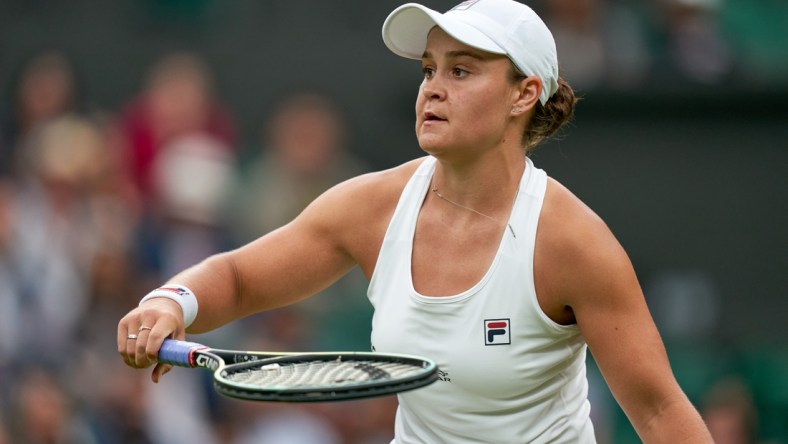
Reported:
(438, 193)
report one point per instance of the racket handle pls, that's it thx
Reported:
(177, 352)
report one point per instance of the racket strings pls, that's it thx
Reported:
(322, 373)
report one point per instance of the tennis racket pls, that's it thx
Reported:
(302, 377)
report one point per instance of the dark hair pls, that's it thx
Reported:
(551, 116)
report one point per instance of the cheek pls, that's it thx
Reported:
(419, 108)
(484, 115)
(496, 99)
(482, 108)
(497, 105)
(420, 100)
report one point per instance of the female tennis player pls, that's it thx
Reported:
(476, 258)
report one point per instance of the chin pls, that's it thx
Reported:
(431, 142)
(431, 149)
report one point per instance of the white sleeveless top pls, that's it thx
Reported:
(508, 373)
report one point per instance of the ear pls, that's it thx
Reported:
(526, 95)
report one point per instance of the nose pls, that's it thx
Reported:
(433, 89)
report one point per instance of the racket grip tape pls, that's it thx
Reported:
(178, 353)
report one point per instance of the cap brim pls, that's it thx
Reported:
(406, 29)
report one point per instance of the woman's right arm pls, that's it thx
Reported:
(341, 228)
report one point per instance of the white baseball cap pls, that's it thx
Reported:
(503, 27)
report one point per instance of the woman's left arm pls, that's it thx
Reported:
(597, 288)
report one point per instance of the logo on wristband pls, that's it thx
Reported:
(180, 291)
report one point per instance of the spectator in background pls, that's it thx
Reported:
(45, 88)
(600, 43)
(176, 140)
(177, 100)
(65, 254)
(66, 232)
(193, 175)
(46, 414)
(730, 413)
(59, 217)
(304, 152)
(695, 47)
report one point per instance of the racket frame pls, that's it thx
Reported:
(224, 362)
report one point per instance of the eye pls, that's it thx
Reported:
(459, 73)
(428, 72)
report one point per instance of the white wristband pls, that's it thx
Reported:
(180, 294)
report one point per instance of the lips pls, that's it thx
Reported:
(429, 116)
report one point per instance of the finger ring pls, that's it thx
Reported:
(145, 328)
(131, 336)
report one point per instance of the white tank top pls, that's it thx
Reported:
(508, 373)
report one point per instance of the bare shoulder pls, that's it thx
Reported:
(568, 226)
(565, 218)
(380, 186)
(365, 198)
(576, 254)
(356, 213)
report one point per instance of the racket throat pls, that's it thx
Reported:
(203, 360)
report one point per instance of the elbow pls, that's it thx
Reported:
(673, 420)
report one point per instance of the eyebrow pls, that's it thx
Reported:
(457, 53)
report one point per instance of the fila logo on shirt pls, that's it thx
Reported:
(496, 332)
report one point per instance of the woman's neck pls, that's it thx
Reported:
(488, 184)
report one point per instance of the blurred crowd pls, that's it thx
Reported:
(97, 207)
(669, 45)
